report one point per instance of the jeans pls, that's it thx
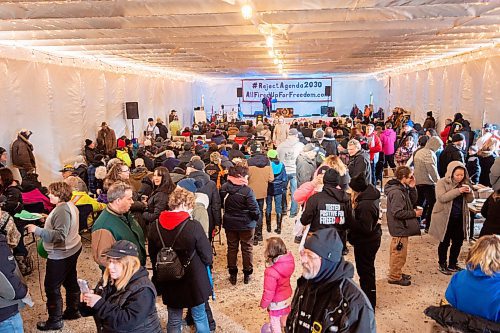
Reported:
(174, 324)
(258, 228)
(12, 324)
(277, 204)
(427, 194)
(374, 180)
(292, 179)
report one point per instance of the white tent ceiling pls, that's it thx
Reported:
(210, 37)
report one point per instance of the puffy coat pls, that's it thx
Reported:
(137, 176)
(22, 153)
(260, 174)
(305, 169)
(277, 286)
(449, 154)
(163, 130)
(106, 141)
(365, 226)
(14, 203)
(194, 287)
(241, 211)
(210, 189)
(305, 191)
(132, 309)
(429, 122)
(157, 203)
(457, 321)
(278, 185)
(401, 216)
(491, 211)
(388, 140)
(360, 164)
(374, 144)
(425, 162)
(90, 155)
(446, 192)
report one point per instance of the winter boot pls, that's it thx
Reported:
(233, 275)
(279, 218)
(257, 237)
(246, 275)
(268, 222)
(55, 321)
(71, 312)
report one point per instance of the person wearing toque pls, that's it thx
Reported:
(454, 151)
(125, 298)
(326, 287)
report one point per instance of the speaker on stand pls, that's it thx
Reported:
(239, 94)
(132, 112)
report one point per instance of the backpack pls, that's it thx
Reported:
(168, 265)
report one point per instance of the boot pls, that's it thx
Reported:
(71, 312)
(55, 321)
(233, 275)
(279, 218)
(246, 275)
(257, 237)
(268, 222)
(386, 173)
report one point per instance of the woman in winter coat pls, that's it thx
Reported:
(195, 253)
(491, 212)
(157, 202)
(450, 215)
(277, 289)
(275, 190)
(125, 298)
(487, 155)
(241, 213)
(405, 151)
(365, 233)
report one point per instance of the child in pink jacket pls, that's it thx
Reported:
(277, 289)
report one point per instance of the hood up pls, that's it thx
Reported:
(434, 143)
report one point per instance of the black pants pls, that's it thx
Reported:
(427, 195)
(389, 160)
(60, 272)
(455, 235)
(20, 249)
(258, 228)
(379, 167)
(364, 255)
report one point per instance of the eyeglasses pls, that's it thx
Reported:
(124, 171)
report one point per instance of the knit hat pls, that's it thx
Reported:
(272, 153)
(293, 131)
(256, 148)
(331, 177)
(188, 184)
(196, 164)
(88, 142)
(121, 143)
(409, 123)
(139, 162)
(326, 243)
(358, 183)
(429, 113)
(457, 137)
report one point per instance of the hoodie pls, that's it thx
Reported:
(288, 151)
(425, 162)
(277, 286)
(401, 217)
(278, 185)
(365, 227)
(388, 139)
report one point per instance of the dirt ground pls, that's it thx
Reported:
(399, 309)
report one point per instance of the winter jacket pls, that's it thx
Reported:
(491, 212)
(218, 138)
(22, 153)
(277, 286)
(495, 175)
(175, 127)
(429, 122)
(313, 299)
(457, 321)
(278, 185)
(288, 151)
(305, 191)
(137, 176)
(235, 153)
(157, 203)
(474, 292)
(401, 216)
(329, 208)
(12, 286)
(124, 157)
(403, 154)
(365, 226)
(170, 163)
(210, 189)
(474, 168)
(132, 309)
(35, 196)
(444, 133)
(449, 154)
(425, 162)
(330, 145)
(217, 173)
(360, 164)
(280, 133)
(14, 203)
(305, 169)
(185, 157)
(446, 192)
(388, 140)
(374, 144)
(163, 130)
(106, 141)
(486, 160)
(260, 174)
(194, 287)
(89, 154)
(241, 211)
(412, 133)
(80, 198)
(200, 211)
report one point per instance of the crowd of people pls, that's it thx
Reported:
(168, 199)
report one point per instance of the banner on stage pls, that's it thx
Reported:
(286, 90)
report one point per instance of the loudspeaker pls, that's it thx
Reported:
(328, 90)
(239, 92)
(132, 110)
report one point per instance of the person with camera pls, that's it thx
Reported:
(402, 221)
(450, 216)
(125, 299)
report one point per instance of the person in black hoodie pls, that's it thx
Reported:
(491, 211)
(473, 166)
(365, 233)
(329, 142)
(326, 298)
(452, 152)
(89, 151)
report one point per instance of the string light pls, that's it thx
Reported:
(270, 41)
(247, 11)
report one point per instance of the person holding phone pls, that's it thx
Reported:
(450, 215)
(125, 298)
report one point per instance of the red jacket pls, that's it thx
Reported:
(375, 144)
(277, 286)
(444, 134)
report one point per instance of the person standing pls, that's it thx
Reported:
(388, 139)
(162, 129)
(306, 164)
(487, 155)
(275, 190)
(359, 162)
(63, 244)
(280, 131)
(451, 216)
(402, 221)
(429, 122)
(375, 147)
(454, 151)
(151, 130)
(106, 140)
(491, 212)
(426, 177)
(3, 157)
(157, 202)
(241, 213)
(172, 116)
(22, 153)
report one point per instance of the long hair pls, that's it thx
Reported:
(336, 164)
(275, 247)
(166, 185)
(113, 175)
(485, 254)
(130, 266)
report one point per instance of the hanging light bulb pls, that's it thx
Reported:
(280, 66)
(276, 61)
(247, 11)
(271, 53)
(270, 41)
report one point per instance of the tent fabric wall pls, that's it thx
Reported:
(65, 105)
(467, 87)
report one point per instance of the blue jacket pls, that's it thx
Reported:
(475, 293)
(278, 185)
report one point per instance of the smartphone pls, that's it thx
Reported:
(84, 286)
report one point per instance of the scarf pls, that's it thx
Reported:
(238, 180)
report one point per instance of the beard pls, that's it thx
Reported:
(307, 273)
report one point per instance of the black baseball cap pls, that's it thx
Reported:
(121, 249)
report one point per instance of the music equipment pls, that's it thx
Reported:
(132, 110)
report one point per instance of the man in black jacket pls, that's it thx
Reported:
(359, 162)
(326, 298)
(452, 152)
(329, 143)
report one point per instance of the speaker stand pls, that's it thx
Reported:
(133, 132)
